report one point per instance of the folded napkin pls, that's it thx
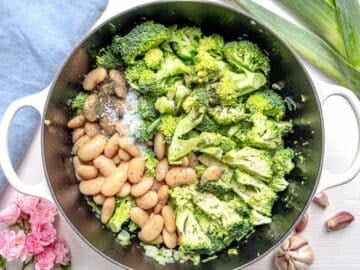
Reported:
(35, 38)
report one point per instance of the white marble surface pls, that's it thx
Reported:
(334, 251)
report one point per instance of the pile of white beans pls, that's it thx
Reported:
(109, 166)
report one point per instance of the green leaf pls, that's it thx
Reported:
(348, 13)
(313, 48)
(321, 18)
(2, 261)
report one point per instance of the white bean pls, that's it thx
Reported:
(108, 209)
(92, 149)
(159, 146)
(136, 169)
(105, 165)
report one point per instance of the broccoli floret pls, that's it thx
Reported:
(167, 126)
(213, 45)
(282, 162)
(147, 110)
(254, 161)
(106, 58)
(191, 237)
(206, 69)
(121, 214)
(268, 103)
(77, 104)
(234, 85)
(188, 123)
(153, 58)
(133, 72)
(258, 219)
(147, 130)
(156, 84)
(234, 224)
(209, 125)
(185, 42)
(254, 192)
(150, 162)
(221, 188)
(246, 55)
(278, 183)
(165, 105)
(139, 40)
(227, 115)
(265, 133)
(199, 99)
(202, 143)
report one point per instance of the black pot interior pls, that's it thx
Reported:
(306, 139)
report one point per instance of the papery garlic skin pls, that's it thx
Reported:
(294, 254)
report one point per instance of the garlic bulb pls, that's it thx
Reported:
(294, 254)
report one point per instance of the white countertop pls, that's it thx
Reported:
(334, 251)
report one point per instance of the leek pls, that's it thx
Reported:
(321, 17)
(348, 14)
(313, 48)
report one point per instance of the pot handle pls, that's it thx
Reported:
(36, 101)
(329, 179)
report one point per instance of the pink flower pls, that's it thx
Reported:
(13, 245)
(27, 203)
(43, 212)
(44, 232)
(10, 214)
(62, 252)
(45, 260)
(33, 245)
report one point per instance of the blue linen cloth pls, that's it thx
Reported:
(35, 38)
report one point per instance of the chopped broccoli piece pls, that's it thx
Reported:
(147, 110)
(133, 72)
(151, 162)
(254, 161)
(185, 42)
(254, 192)
(212, 45)
(206, 69)
(106, 59)
(265, 133)
(156, 84)
(233, 251)
(167, 127)
(77, 104)
(199, 99)
(139, 40)
(121, 214)
(267, 102)
(165, 105)
(227, 115)
(209, 125)
(246, 55)
(147, 130)
(96, 209)
(153, 58)
(282, 161)
(234, 85)
(123, 238)
(278, 183)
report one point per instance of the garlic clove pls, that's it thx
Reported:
(339, 221)
(296, 242)
(302, 224)
(321, 199)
